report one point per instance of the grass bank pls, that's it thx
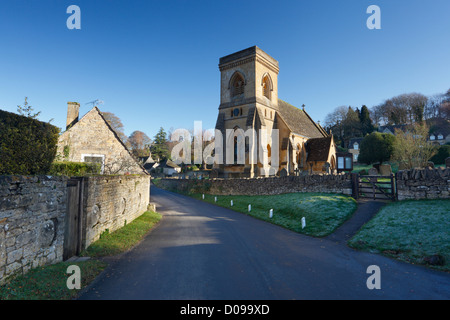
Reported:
(415, 231)
(121, 240)
(323, 212)
(49, 282)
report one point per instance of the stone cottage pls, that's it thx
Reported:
(91, 139)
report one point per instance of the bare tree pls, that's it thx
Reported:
(412, 148)
(116, 124)
(139, 143)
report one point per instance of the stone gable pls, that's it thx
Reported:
(91, 137)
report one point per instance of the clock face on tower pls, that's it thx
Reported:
(236, 112)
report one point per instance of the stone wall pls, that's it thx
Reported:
(411, 184)
(263, 186)
(32, 215)
(112, 201)
(423, 184)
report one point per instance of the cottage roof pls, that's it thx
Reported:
(168, 164)
(353, 140)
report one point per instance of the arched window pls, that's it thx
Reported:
(235, 160)
(269, 154)
(267, 86)
(237, 84)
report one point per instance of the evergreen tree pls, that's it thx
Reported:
(366, 122)
(376, 147)
(159, 149)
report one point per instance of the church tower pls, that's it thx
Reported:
(248, 99)
(286, 141)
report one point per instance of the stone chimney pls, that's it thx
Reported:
(73, 110)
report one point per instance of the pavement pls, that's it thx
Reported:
(203, 252)
(366, 210)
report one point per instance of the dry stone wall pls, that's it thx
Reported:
(423, 184)
(411, 184)
(32, 213)
(263, 186)
(112, 201)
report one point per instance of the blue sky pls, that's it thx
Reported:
(155, 63)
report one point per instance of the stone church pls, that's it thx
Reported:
(249, 100)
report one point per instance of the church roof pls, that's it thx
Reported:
(318, 148)
(299, 121)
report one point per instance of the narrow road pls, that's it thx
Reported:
(203, 252)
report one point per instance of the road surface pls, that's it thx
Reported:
(203, 252)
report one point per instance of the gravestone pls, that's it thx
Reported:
(373, 171)
(283, 172)
(385, 169)
(327, 167)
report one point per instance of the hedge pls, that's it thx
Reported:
(74, 169)
(27, 146)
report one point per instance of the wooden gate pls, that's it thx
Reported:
(74, 215)
(375, 187)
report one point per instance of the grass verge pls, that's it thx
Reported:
(49, 282)
(123, 239)
(415, 231)
(323, 212)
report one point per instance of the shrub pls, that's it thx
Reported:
(27, 146)
(376, 147)
(443, 152)
(74, 169)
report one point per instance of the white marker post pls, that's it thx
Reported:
(303, 222)
(203, 196)
(271, 213)
(249, 207)
(215, 199)
(231, 203)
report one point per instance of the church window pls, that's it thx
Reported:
(235, 150)
(266, 87)
(237, 85)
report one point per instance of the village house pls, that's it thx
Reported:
(249, 100)
(91, 139)
(439, 136)
(354, 147)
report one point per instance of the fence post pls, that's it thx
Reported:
(394, 186)
(355, 185)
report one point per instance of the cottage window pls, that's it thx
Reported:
(440, 137)
(355, 146)
(94, 158)
(432, 137)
